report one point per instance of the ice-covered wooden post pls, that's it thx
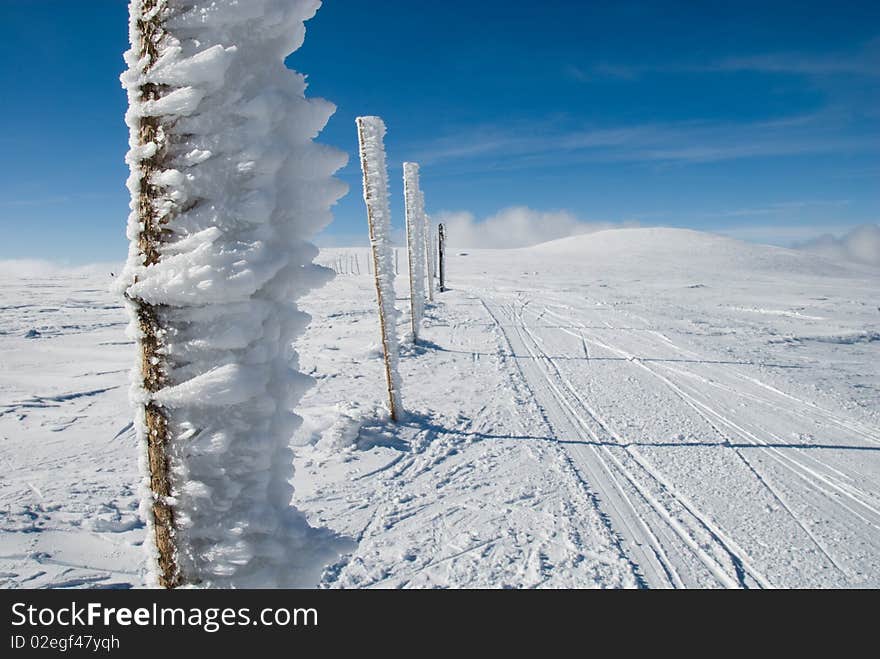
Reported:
(441, 249)
(371, 132)
(429, 247)
(227, 187)
(148, 159)
(414, 245)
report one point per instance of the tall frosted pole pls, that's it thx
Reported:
(415, 245)
(441, 254)
(371, 133)
(227, 187)
(428, 249)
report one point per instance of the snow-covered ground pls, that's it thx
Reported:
(640, 407)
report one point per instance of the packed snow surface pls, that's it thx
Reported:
(632, 408)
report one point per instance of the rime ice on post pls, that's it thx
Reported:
(429, 247)
(227, 186)
(415, 245)
(441, 256)
(371, 132)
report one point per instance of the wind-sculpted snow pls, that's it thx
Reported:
(244, 189)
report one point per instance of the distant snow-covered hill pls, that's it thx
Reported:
(683, 250)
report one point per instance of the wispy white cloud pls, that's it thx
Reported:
(784, 235)
(784, 223)
(861, 61)
(779, 208)
(509, 147)
(50, 200)
(37, 201)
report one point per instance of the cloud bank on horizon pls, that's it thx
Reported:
(520, 226)
(517, 226)
(861, 245)
(28, 268)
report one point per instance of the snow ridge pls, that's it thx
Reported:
(243, 188)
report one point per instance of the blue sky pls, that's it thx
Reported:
(753, 118)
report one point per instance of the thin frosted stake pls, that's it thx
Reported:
(371, 131)
(428, 252)
(414, 245)
(441, 253)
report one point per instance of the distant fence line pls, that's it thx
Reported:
(352, 261)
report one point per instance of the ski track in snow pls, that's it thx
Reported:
(571, 422)
(822, 498)
(574, 419)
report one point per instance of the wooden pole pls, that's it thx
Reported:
(428, 247)
(151, 33)
(412, 236)
(441, 242)
(374, 244)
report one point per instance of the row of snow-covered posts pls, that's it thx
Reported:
(422, 251)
